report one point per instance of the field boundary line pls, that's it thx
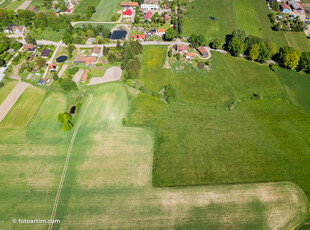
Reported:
(64, 172)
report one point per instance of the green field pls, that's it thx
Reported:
(31, 163)
(6, 90)
(112, 169)
(252, 16)
(105, 9)
(254, 137)
(12, 5)
(24, 109)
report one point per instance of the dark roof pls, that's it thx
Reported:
(45, 53)
(9, 27)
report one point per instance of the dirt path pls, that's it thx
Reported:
(14, 75)
(11, 99)
(63, 176)
(112, 74)
(78, 76)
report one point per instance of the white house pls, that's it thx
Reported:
(150, 5)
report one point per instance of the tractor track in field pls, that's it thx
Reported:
(64, 172)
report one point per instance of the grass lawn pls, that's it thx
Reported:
(82, 7)
(251, 136)
(6, 90)
(50, 35)
(109, 26)
(12, 5)
(24, 109)
(105, 10)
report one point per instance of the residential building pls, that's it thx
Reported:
(12, 28)
(148, 16)
(52, 67)
(127, 14)
(32, 8)
(150, 5)
(285, 8)
(190, 56)
(182, 48)
(294, 5)
(161, 32)
(95, 51)
(29, 47)
(140, 37)
(45, 53)
(86, 60)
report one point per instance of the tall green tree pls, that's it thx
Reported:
(235, 47)
(291, 60)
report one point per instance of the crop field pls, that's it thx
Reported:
(31, 164)
(5, 91)
(252, 16)
(12, 5)
(109, 183)
(24, 109)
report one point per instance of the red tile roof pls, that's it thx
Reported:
(139, 36)
(129, 4)
(86, 59)
(31, 8)
(202, 50)
(148, 15)
(85, 76)
(162, 30)
(127, 13)
(284, 6)
(301, 6)
(182, 47)
(28, 46)
(95, 50)
(188, 54)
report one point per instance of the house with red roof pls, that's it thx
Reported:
(182, 48)
(202, 51)
(161, 32)
(190, 56)
(129, 4)
(285, 8)
(127, 14)
(140, 37)
(148, 16)
(68, 11)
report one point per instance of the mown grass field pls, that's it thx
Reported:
(252, 16)
(32, 160)
(12, 5)
(6, 90)
(258, 136)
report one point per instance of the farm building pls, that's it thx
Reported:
(294, 5)
(148, 16)
(95, 51)
(139, 37)
(29, 47)
(129, 4)
(182, 48)
(190, 56)
(150, 5)
(127, 14)
(84, 78)
(285, 8)
(202, 51)
(86, 60)
(45, 53)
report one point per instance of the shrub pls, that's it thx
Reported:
(66, 84)
(274, 67)
(170, 94)
(1, 84)
(200, 65)
(67, 126)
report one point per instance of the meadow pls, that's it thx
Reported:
(256, 137)
(252, 16)
(6, 90)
